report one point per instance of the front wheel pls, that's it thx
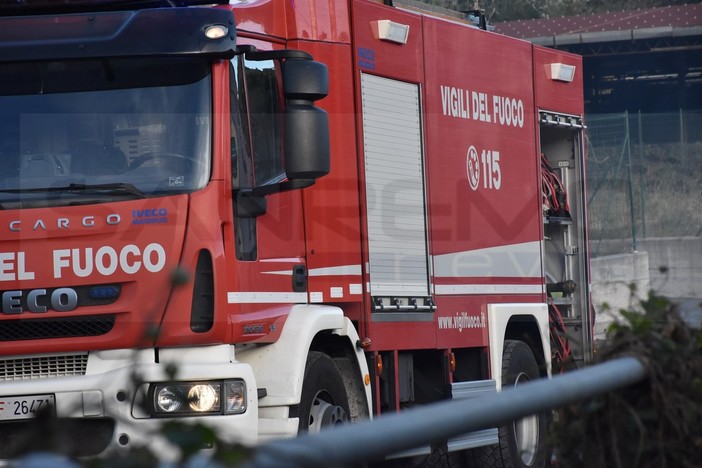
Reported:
(522, 442)
(324, 401)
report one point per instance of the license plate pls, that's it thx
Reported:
(24, 407)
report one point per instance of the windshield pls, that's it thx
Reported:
(89, 131)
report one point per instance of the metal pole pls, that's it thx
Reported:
(682, 139)
(634, 243)
(642, 184)
(435, 423)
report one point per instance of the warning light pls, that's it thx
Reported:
(452, 362)
(216, 31)
(561, 72)
(390, 31)
(378, 364)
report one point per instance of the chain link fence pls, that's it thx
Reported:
(644, 176)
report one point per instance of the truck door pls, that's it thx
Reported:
(268, 232)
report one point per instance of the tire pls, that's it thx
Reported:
(523, 442)
(324, 401)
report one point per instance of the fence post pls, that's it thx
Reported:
(682, 139)
(627, 141)
(642, 184)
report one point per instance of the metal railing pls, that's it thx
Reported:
(435, 423)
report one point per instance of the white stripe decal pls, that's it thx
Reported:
(336, 271)
(354, 270)
(266, 297)
(282, 260)
(448, 289)
(515, 261)
(316, 297)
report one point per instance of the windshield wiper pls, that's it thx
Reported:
(112, 188)
(108, 189)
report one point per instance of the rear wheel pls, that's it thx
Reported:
(522, 442)
(324, 401)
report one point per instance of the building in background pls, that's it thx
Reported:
(647, 60)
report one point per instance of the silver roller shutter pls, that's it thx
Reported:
(395, 198)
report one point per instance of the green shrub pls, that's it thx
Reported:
(657, 423)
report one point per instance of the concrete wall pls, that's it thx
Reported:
(618, 281)
(675, 266)
(672, 267)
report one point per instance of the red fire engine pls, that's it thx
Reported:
(269, 216)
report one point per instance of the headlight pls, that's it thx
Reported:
(204, 398)
(168, 399)
(198, 398)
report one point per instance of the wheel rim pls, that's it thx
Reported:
(325, 413)
(526, 431)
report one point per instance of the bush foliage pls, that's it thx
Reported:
(657, 423)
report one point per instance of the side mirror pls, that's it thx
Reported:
(305, 79)
(307, 153)
(306, 132)
(307, 150)
(249, 205)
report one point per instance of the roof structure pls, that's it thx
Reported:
(677, 20)
(647, 59)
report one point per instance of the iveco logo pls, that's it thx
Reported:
(62, 223)
(39, 300)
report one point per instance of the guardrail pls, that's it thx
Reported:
(431, 424)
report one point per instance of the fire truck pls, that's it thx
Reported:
(272, 216)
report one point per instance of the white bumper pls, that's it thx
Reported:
(108, 391)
